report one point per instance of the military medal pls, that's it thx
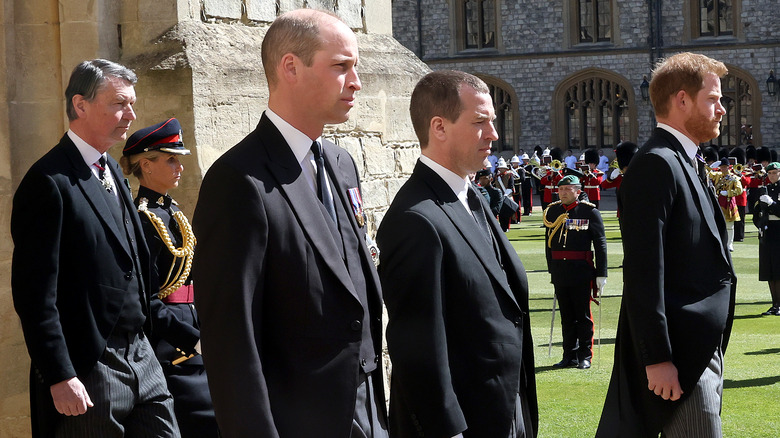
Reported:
(577, 224)
(357, 205)
(106, 184)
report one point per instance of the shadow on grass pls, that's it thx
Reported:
(747, 316)
(604, 341)
(751, 383)
(550, 297)
(764, 351)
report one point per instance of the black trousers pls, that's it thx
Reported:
(576, 320)
(739, 226)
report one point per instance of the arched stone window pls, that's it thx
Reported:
(594, 108)
(740, 124)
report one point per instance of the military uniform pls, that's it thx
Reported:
(176, 328)
(549, 182)
(591, 184)
(572, 230)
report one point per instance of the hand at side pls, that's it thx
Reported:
(70, 397)
(662, 380)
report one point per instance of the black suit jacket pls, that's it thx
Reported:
(459, 334)
(280, 319)
(72, 267)
(679, 285)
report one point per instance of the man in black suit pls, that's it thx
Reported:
(80, 275)
(456, 292)
(679, 283)
(288, 295)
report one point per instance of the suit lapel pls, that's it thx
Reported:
(466, 225)
(303, 201)
(703, 196)
(341, 167)
(93, 192)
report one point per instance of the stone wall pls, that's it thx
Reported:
(198, 61)
(535, 53)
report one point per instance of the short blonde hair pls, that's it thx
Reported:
(683, 71)
(296, 32)
(131, 163)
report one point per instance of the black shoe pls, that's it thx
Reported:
(584, 364)
(566, 363)
(772, 311)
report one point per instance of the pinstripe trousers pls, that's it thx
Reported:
(699, 415)
(366, 422)
(128, 390)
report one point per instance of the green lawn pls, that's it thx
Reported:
(570, 400)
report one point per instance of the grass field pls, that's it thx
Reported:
(570, 400)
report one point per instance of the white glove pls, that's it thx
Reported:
(724, 193)
(615, 173)
(601, 282)
(766, 199)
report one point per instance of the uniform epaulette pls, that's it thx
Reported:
(588, 203)
(544, 213)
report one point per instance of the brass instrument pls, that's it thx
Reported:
(739, 168)
(613, 164)
(556, 165)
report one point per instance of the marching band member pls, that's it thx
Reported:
(592, 177)
(727, 187)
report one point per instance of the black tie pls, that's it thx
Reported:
(322, 181)
(479, 215)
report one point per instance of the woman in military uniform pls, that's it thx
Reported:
(152, 155)
(766, 216)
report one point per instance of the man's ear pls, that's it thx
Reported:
(287, 70)
(682, 101)
(79, 104)
(438, 128)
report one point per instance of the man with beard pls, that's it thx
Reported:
(679, 282)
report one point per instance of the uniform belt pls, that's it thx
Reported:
(572, 255)
(184, 294)
(549, 187)
(591, 187)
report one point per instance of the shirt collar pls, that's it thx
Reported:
(299, 142)
(691, 148)
(459, 186)
(88, 153)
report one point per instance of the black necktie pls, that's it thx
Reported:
(479, 215)
(322, 181)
